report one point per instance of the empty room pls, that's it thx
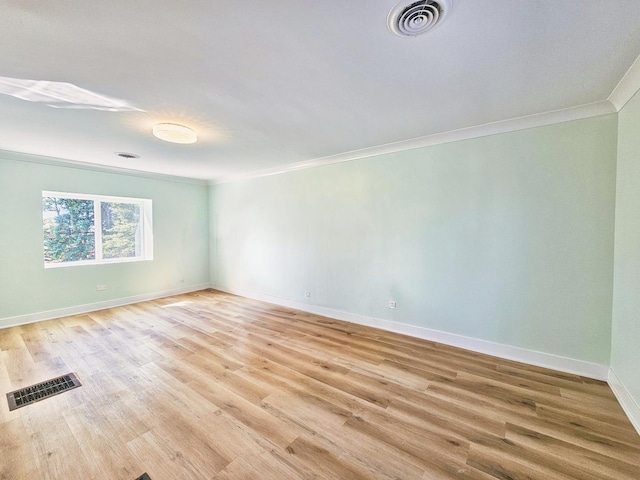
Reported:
(337, 240)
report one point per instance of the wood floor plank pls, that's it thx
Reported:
(208, 385)
(263, 466)
(89, 427)
(18, 462)
(500, 464)
(164, 461)
(10, 339)
(587, 462)
(55, 447)
(617, 433)
(323, 462)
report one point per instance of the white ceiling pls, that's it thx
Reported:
(268, 84)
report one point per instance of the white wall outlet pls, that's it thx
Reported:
(392, 304)
(100, 288)
(307, 294)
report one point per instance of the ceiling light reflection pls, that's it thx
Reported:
(62, 95)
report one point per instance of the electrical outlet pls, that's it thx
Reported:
(307, 294)
(392, 304)
(100, 288)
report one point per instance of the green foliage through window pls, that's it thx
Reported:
(70, 234)
(68, 229)
(120, 230)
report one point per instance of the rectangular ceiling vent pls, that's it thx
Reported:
(40, 391)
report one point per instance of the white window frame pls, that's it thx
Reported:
(146, 228)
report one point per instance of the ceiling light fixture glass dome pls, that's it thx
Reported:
(174, 133)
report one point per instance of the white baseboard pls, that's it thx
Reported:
(509, 352)
(532, 357)
(629, 405)
(92, 307)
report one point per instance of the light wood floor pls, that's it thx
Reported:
(212, 386)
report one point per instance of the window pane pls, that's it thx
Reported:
(68, 229)
(121, 230)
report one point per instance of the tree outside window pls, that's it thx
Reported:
(71, 236)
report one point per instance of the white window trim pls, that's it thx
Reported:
(146, 225)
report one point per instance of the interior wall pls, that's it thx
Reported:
(625, 355)
(180, 223)
(506, 238)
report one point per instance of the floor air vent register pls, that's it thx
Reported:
(40, 391)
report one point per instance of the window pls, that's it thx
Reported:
(82, 229)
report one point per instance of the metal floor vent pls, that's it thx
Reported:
(144, 476)
(40, 391)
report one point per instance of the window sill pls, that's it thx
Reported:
(95, 262)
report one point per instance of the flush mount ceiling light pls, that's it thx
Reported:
(174, 133)
(409, 19)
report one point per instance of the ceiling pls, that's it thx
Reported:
(270, 84)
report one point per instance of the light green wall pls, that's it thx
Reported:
(506, 238)
(625, 350)
(180, 224)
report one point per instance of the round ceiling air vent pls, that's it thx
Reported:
(416, 18)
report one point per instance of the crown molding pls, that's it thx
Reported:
(504, 126)
(627, 87)
(59, 162)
